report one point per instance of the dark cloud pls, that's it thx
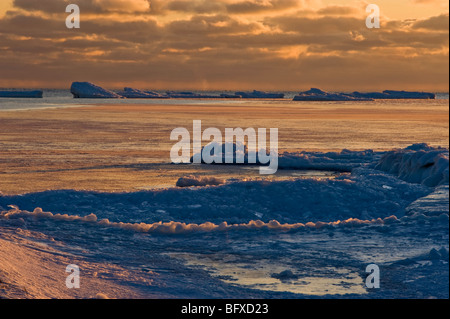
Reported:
(258, 6)
(439, 23)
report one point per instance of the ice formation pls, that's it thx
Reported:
(319, 95)
(418, 163)
(131, 93)
(86, 90)
(37, 94)
(399, 95)
(386, 210)
(259, 95)
(190, 181)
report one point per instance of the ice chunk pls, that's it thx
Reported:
(190, 181)
(86, 90)
(285, 275)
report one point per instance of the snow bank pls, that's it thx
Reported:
(418, 163)
(86, 90)
(22, 94)
(197, 181)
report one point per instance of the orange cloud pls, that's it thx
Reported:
(221, 44)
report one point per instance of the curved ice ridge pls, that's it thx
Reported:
(174, 228)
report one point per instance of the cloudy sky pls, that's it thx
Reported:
(226, 44)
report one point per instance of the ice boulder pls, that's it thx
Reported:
(86, 90)
(319, 95)
(22, 94)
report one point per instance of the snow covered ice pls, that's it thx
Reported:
(298, 238)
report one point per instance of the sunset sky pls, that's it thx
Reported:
(226, 44)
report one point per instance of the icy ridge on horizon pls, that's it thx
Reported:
(90, 90)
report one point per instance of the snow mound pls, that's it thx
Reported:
(196, 181)
(86, 90)
(419, 164)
